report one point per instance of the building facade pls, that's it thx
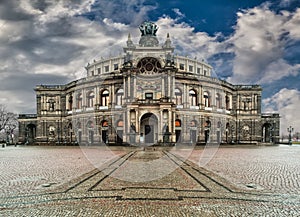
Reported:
(148, 96)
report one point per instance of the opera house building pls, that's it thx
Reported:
(148, 96)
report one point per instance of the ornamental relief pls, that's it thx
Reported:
(148, 85)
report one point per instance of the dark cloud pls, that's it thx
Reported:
(10, 10)
(132, 12)
(27, 82)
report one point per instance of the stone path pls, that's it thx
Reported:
(149, 183)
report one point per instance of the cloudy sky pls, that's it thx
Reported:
(247, 42)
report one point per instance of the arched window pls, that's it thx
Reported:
(51, 104)
(177, 123)
(104, 98)
(104, 123)
(70, 102)
(79, 101)
(206, 98)
(218, 101)
(193, 123)
(193, 97)
(148, 65)
(193, 131)
(120, 123)
(227, 102)
(119, 96)
(178, 96)
(90, 124)
(90, 99)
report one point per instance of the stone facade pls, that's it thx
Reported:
(147, 96)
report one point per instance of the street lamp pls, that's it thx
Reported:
(290, 130)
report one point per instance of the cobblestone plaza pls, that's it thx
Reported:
(119, 181)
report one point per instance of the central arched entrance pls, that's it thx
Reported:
(267, 133)
(148, 129)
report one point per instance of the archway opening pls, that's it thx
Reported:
(267, 132)
(148, 129)
(30, 133)
(178, 130)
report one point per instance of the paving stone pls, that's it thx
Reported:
(65, 181)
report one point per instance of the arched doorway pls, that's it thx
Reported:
(267, 132)
(207, 126)
(104, 126)
(119, 130)
(90, 128)
(69, 133)
(178, 130)
(30, 133)
(219, 132)
(227, 131)
(148, 128)
(193, 131)
(79, 132)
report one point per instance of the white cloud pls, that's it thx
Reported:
(47, 42)
(42, 39)
(279, 69)
(259, 41)
(285, 102)
(187, 41)
(178, 13)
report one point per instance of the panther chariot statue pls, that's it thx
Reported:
(148, 30)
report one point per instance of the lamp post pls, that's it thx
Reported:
(290, 130)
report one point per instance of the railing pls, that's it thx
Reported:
(27, 116)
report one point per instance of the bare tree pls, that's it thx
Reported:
(8, 121)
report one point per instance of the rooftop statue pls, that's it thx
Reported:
(148, 28)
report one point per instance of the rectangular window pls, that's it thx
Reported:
(191, 68)
(116, 66)
(181, 66)
(149, 95)
(99, 71)
(92, 73)
(205, 72)
(198, 70)
(106, 68)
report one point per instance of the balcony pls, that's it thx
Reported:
(194, 107)
(179, 106)
(103, 107)
(89, 109)
(208, 108)
(154, 101)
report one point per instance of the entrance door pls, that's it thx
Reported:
(219, 136)
(104, 136)
(79, 137)
(266, 133)
(119, 136)
(178, 135)
(193, 136)
(91, 137)
(149, 133)
(149, 129)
